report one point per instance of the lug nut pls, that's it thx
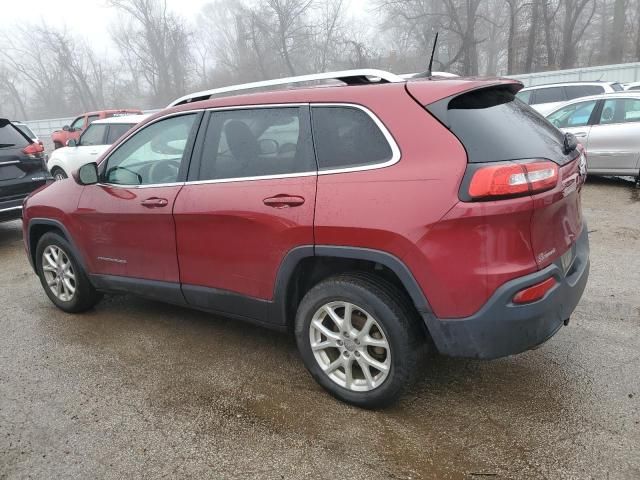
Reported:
(357, 354)
(345, 335)
(340, 343)
(346, 354)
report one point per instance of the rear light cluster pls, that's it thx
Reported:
(513, 179)
(34, 150)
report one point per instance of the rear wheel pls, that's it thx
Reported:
(58, 173)
(358, 340)
(62, 277)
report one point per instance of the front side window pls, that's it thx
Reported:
(347, 137)
(575, 115)
(117, 130)
(93, 135)
(257, 142)
(153, 155)
(621, 110)
(77, 123)
(549, 95)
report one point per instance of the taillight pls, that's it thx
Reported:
(513, 179)
(33, 150)
(535, 292)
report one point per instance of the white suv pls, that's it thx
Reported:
(96, 139)
(546, 98)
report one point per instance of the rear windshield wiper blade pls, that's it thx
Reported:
(569, 144)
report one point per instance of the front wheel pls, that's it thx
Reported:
(359, 339)
(62, 277)
(58, 174)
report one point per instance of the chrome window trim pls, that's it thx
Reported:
(396, 154)
(9, 209)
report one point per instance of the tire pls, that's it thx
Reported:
(58, 174)
(394, 322)
(84, 296)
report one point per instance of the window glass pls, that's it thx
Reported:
(26, 130)
(621, 110)
(10, 136)
(524, 96)
(617, 87)
(347, 137)
(635, 87)
(577, 91)
(77, 123)
(257, 142)
(92, 118)
(549, 95)
(116, 130)
(153, 155)
(575, 115)
(93, 135)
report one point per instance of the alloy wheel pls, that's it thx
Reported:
(58, 273)
(350, 346)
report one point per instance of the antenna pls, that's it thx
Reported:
(433, 52)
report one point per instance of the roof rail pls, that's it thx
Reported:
(350, 77)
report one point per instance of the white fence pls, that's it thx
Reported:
(623, 73)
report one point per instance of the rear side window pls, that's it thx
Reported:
(347, 137)
(617, 87)
(494, 126)
(93, 135)
(257, 142)
(524, 96)
(577, 91)
(549, 95)
(116, 131)
(10, 136)
(92, 118)
(622, 110)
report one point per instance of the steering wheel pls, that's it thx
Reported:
(165, 171)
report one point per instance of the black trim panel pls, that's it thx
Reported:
(227, 303)
(156, 290)
(54, 223)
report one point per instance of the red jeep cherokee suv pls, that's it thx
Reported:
(372, 219)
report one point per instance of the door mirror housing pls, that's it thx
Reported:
(65, 128)
(268, 146)
(87, 174)
(72, 143)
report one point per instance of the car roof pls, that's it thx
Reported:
(610, 95)
(133, 119)
(568, 84)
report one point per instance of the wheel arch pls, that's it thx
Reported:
(40, 226)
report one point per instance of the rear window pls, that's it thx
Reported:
(26, 130)
(347, 137)
(10, 136)
(524, 96)
(494, 126)
(617, 87)
(548, 95)
(577, 91)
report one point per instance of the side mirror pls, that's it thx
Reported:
(87, 174)
(268, 146)
(65, 128)
(72, 143)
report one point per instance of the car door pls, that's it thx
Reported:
(250, 202)
(614, 140)
(576, 118)
(126, 219)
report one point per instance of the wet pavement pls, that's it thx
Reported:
(138, 389)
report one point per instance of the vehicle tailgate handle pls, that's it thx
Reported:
(283, 201)
(154, 202)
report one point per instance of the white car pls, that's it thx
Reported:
(24, 128)
(94, 141)
(546, 98)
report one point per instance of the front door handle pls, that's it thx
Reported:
(154, 202)
(283, 201)
(580, 134)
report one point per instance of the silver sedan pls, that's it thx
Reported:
(608, 126)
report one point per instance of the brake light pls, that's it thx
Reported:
(535, 292)
(513, 179)
(35, 149)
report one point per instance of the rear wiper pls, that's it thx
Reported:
(2, 145)
(569, 144)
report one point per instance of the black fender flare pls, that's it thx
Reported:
(59, 225)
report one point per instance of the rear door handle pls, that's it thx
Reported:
(154, 202)
(283, 201)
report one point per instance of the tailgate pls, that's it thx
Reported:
(556, 222)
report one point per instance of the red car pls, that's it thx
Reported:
(80, 124)
(373, 219)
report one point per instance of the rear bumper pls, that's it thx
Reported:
(503, 328)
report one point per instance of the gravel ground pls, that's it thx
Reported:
(138, 389)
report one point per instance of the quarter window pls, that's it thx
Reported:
(524, 96)
(257, 142)
(153, 155)
(622, 110)
(548, 95)
(575, 115)
(347, 137)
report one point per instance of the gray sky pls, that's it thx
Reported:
(91, 18)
